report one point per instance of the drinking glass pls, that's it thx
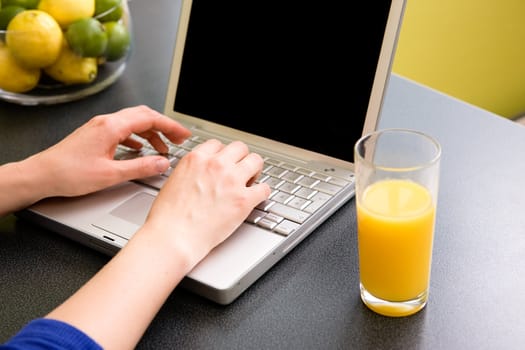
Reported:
(397, 178)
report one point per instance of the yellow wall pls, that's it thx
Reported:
(471, 49)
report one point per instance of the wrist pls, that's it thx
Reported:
(21, 185)
(171, 251)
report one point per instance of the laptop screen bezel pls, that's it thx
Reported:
(394, 10)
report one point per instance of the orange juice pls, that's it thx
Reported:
(395, 222)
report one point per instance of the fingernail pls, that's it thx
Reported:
(162, 165)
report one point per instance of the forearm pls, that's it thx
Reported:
(22, 184)
(127, 292)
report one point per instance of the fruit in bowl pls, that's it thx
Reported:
(61, 43)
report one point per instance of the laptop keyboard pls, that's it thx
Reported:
(297, 192)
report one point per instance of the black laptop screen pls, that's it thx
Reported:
(299, 72)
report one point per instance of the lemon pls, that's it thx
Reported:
(13, 76)
(67, 11)
(34, 38)
(71, 68)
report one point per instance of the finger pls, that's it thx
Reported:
(132, 143)
(144, 119)
(141, 167)
(251, 167)
(235, 151)
(155, 140)
(210, 146)
(259, 193)
(152, 137)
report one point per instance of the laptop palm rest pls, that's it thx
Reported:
(237, 255)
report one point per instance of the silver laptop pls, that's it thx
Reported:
(299, 82)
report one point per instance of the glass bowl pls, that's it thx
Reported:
(50, 91)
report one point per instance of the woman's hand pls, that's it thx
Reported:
(83, 161)
(207, 197)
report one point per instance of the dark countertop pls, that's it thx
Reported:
(310, 299)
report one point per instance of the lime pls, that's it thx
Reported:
(87, 37)
(67, 11)
(34, 38)
(27, 4)
(108, 10)
(119, 40)
(71, 68)
(7, 13)
(13, 76)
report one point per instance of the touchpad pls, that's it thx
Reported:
(135, 209)
(125, 219)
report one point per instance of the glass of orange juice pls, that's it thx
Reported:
(397, 179)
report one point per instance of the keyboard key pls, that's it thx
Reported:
(318, 200)
(305, 193)
(274, 218)
(286, 227)
(327, 188)
(308, 182)
(276, 171)
(289, 187)
(255, 216)
(338, 182)
(265, 223)
(265, 205)
(273, 182)
(281, 197)
(289, 213)
(298, 203)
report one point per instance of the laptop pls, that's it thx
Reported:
(299, 82)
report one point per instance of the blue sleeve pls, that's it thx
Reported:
(44, 333)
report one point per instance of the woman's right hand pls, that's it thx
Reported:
(207, 196)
